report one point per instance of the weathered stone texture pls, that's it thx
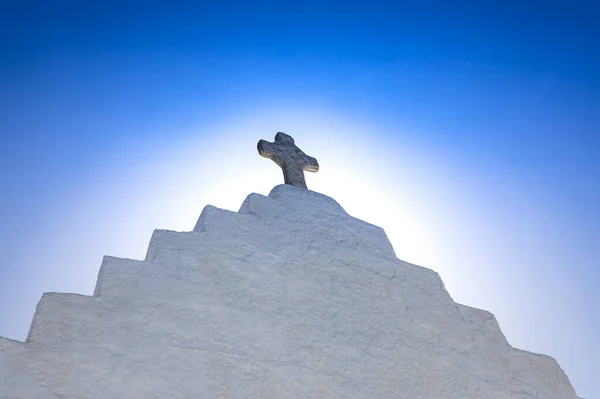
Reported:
(291, 159)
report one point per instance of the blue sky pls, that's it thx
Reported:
(474, 125)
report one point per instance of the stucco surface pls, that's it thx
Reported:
(288, 298)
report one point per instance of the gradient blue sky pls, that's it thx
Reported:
(470, 131)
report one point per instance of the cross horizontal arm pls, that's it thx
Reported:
(310, 163)
(269, 150)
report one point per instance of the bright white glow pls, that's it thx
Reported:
(219, 165)
(452, 218)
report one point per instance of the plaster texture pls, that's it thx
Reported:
(290, 297)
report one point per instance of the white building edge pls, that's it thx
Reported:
(288, 298)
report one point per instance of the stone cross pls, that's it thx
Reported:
(289, 158)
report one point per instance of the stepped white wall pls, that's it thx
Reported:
(289, 298)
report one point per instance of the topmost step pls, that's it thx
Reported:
(306, 200)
